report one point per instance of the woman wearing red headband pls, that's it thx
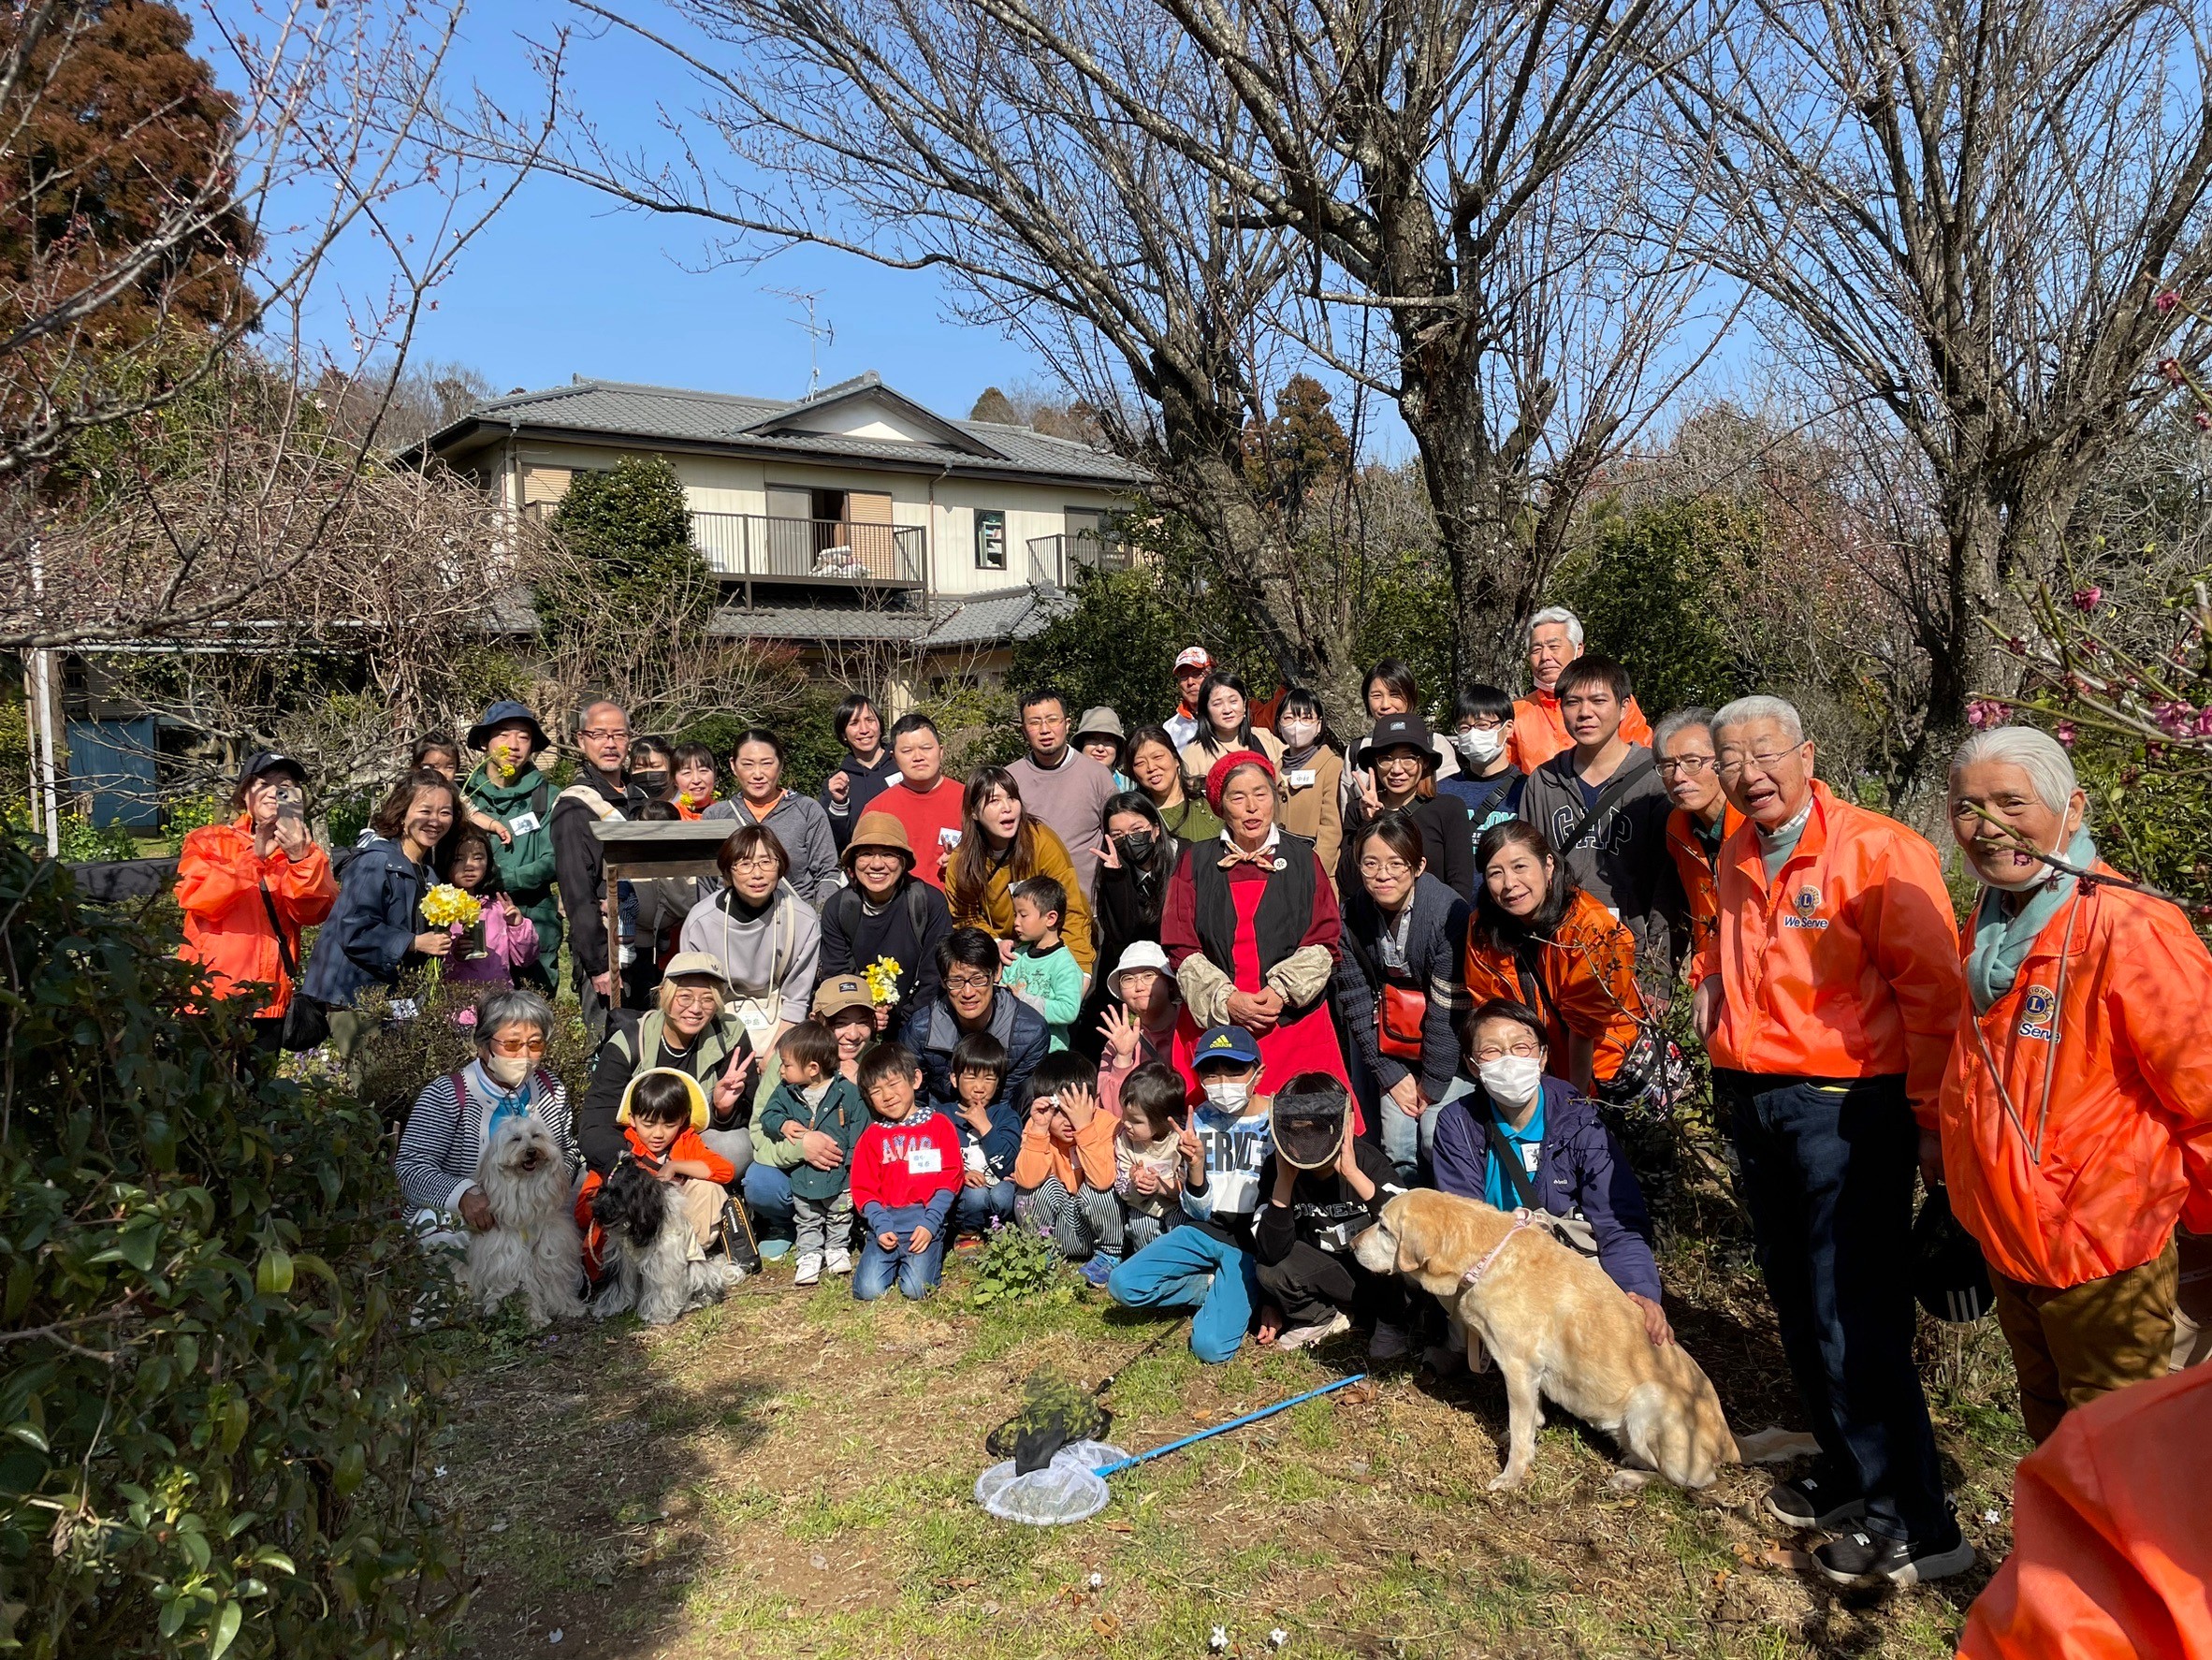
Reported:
(1251, 929)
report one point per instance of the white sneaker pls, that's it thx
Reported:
(1388, 1342)
(839, 1263)
(1306, 1337)
(810, 1271)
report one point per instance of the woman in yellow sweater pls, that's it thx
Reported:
(1001, 845)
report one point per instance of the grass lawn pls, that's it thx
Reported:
(793, 1474)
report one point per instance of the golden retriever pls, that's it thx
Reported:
(1558, 1326)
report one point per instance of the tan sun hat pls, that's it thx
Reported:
(879, 830)
(687, 965)
(833, 997)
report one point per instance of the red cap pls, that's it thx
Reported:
(1195, 657)
(1217, 775)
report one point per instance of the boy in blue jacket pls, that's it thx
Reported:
(990, 1133)
(814, 1097)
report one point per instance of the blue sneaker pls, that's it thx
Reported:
(1099, 1268)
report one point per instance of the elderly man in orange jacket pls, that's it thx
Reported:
(2078, 1109)
(1829, 994)
(1539, 727)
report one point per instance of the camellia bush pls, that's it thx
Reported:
(212, 1413)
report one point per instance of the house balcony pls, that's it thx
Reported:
(752, 548)
(1057, 559)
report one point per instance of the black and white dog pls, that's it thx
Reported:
(654, 1265)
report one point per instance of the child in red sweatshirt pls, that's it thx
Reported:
(663, 1111)
(906, 1173)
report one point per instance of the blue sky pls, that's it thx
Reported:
(563, 283)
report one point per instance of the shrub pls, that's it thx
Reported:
(399, 1059)
(212, 1404)
(1016, 1265)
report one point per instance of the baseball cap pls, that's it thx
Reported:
(1195, 657)
(841, 992)
(1231, 1044)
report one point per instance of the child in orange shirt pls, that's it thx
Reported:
(1064, 1174)
(662, 1114)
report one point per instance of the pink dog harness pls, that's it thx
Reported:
(1522, 1218)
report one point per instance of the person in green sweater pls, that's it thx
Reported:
(1044, 973)
(814, 1097)
(507, 788)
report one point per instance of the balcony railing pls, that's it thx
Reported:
(756, 547)
(1057, 559)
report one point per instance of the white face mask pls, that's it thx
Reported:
(1229, 1095)
(2037, 874)
(1511, 1079)
(506, 1070)
(1296, 734)
(1477, 747)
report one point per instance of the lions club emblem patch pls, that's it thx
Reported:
(2039, 1012)
(1805, 901)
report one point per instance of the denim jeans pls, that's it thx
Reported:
(1138, 1228)
(1828, 1176)
(767, 1195)
(1189, 1268)
(917, 1273)
(1408, 1142)
(976, 1208)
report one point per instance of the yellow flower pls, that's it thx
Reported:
(882, 978)
(446, 904)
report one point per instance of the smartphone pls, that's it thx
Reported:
(291, 801)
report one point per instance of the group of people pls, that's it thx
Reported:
(1194, 999)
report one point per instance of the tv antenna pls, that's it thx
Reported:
(819, 334)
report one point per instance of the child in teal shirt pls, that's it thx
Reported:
(1043, 974)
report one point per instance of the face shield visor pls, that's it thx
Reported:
(1307, 1126)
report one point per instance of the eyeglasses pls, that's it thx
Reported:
(599, 733)
(754, 861)
(1685, 766)
(1518, 1051)
(511, 1046)
(967, 983)
(1384, 867)
(692, 999)
(1765, 763)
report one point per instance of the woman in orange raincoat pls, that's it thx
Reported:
(248, 888)
(2077, 1110)
(1538, 939)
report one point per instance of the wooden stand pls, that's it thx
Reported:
(641, 851)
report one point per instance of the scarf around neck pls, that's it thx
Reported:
(2002, 943)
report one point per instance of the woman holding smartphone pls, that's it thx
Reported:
(249, 887)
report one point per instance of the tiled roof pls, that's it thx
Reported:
(987, 619)
(624, 408)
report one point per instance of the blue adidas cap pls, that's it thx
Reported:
(1226, 1042)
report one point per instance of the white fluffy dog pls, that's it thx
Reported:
(532, 1245)
(655, 1266)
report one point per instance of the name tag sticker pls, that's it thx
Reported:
(1302, 778)
(924, 1161)
(523, 823)
(948, 839)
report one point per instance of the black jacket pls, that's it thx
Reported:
(1447, 843)
(1117, 922)
(865, 783)
(578, 863)
(1436, 967)
(852, 939)
(1276, 1228)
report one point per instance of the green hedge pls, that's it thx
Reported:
(211, 1406)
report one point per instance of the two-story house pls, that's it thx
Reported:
(852, 515)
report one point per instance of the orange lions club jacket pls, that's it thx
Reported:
(2108, 1135)
(2112, 1553)
(1847, 964)
(1539, 731)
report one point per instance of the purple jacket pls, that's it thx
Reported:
(1579, 1169)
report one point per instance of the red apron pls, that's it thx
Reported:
(1305, 1044)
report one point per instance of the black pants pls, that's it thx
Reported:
(1827, 1175)
(1310, 1285)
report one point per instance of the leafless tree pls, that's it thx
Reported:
(1980, 224)
(189, 324)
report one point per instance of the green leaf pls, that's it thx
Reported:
(29, 1434)
(272, 1277)
(226, 1630)
(137, 1243)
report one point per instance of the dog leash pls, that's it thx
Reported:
(1522, 1218)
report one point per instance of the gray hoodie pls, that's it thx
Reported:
(804, 829)
(1622, 858)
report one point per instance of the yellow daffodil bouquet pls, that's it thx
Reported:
(443, 907)
(882, 978)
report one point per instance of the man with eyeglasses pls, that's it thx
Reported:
(1539, 723)
(602, 790)
(1828, 995)
(1701, 820)
(970, 1000)
(1061, 785)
